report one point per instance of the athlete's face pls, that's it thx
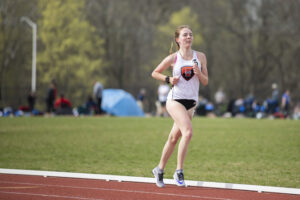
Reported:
(185, 38)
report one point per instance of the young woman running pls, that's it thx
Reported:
(189, 69)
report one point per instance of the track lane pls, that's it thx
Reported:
(37, 187)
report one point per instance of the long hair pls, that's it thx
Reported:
(176, 35)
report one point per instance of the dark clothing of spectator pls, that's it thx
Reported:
(90, 105)
(50, 99)
(63, 106)
(63, 103)
(97, 92)
(31, 101)
(285, 103)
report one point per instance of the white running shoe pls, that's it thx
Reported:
(159, 177)
(179, 178)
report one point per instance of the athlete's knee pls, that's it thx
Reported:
(173, 139)
(188, 133)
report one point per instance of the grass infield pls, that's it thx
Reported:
(246, 151)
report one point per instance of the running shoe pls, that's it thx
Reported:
(159, 176)
(179, 178)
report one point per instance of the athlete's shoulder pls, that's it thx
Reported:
(172, 58)
(200, 54)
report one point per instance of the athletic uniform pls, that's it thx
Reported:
(187, 88)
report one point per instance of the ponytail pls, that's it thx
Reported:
(172, 46)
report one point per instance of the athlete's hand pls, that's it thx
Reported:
(174, 80)
(196, 69)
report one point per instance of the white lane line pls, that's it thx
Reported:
(121, 190)
(233, 186)
(48, 195)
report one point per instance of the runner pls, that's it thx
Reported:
(189, 69)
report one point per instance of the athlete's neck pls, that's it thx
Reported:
(186, 54)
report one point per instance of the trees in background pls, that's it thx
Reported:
(128, 29)
(70, 51)
(249, 45)
(15, 51)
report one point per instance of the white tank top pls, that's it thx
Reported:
(188, 85)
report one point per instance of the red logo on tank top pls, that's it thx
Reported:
(187, 72)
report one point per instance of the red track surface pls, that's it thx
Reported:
(23, 187)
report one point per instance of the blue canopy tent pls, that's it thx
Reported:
(118, 102)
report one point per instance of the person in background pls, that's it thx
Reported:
(273, 102)
(220, 98)
(189, 69)
(296, 111)
(31, 101)
(141, 98)
(63, 106)
(97, 93)
(50, 97)
(163, 90)
(90, 105)
(285, 103)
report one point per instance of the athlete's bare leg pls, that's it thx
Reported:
(169, 146)
(182, 119)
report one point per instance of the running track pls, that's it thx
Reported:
(25, 187)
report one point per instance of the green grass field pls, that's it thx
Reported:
(247, 151)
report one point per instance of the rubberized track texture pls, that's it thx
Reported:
(25, 187)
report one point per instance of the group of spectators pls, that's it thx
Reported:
(59, 105)
(63, 106)
(93, 103)
(275, 106)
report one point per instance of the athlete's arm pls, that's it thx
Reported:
(167, 62)
(203, 74)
